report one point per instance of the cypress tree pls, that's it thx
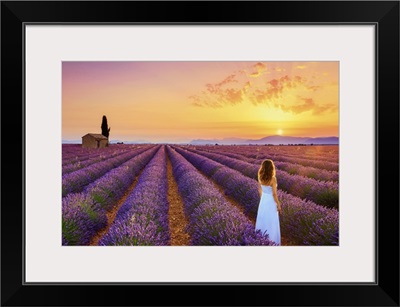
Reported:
(104, 127)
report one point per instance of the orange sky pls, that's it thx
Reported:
(182, 101)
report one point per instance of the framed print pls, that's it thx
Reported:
(240, 151)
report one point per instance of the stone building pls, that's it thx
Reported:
(94, 140)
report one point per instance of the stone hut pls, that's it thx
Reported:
(94, 140)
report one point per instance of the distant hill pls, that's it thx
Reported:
(326, 141)
(71, 141)
(111, 142)
(273, 140)
(130, 142)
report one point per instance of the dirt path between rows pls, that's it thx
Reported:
(111, 214)
(176, 215)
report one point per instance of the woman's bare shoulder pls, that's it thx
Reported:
(270, 183)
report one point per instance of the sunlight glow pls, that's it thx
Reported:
(173, 101)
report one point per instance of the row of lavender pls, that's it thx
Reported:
(84, 213)
(317, 152)
(325, 193)
(71, 152)
(247, 151)
(291, 168)
(143, 217)
(212, 220)
(328, 153)
(302, 222)
(101, 155)
(75, 153)
(76, 181)
(211, 223)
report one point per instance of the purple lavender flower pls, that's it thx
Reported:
(100, 154)
(80, 219)
(212, 220)
(299, 217)
(306, 223)
(84, 214)
(321, 192)
(143, 217)
(76, 181)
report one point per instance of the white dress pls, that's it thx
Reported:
(268, 216)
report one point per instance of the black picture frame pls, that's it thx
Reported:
(383, 14)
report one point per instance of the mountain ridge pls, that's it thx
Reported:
(273, 140)
(269, 140)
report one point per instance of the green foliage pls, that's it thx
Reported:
(70, 231)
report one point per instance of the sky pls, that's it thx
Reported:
(175, 102)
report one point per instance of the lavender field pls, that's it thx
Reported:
(169, 195)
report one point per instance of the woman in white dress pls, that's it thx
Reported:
(269, 207)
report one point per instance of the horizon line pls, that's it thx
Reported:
(226, 139)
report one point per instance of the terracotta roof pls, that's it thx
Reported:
(97, 136)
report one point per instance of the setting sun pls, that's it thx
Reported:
(279, 132)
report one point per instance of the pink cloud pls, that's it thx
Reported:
(306, 104)
(236, 88)
(258, 69)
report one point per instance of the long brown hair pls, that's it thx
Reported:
(266, 171)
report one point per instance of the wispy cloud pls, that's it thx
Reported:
(216, 95)
(258, 69)
(216, 87)
(295, 94)
(276, 88)
(306, 104)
